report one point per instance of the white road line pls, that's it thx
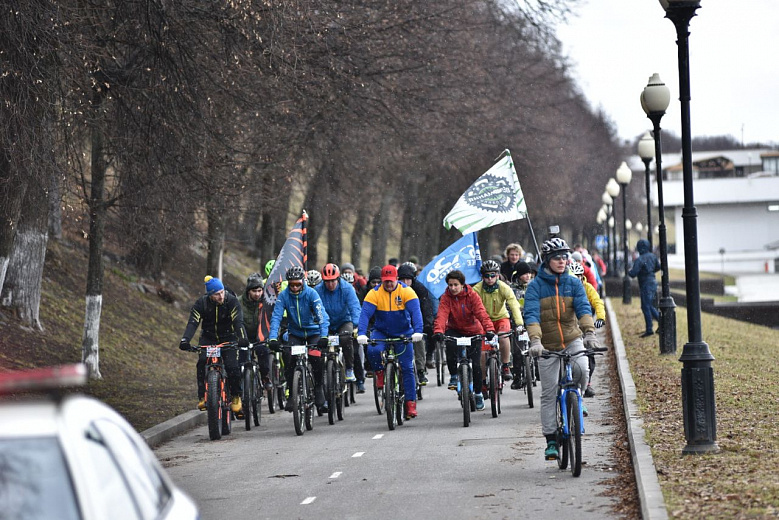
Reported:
(336, 474)
(378, 436)
(307, 501)
(358, 454)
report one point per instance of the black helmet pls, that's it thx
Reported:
(490, 266)
(554, 246)
(295, 273)
(407, 271)
(254, 282)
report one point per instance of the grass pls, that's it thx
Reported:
(678, 274)
(740, 481)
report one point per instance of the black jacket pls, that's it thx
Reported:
(425, 305)
(218, 323)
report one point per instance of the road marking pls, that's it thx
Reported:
(307, 501)
(378, 436)
(358, 454)
(336, 474)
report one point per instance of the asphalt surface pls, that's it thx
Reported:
(431, 466)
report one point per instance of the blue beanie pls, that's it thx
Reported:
(213, 285)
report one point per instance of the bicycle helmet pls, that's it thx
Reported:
(407, 271)
(554, 246)
(330, 272)
(295, 273)
(254, 282)
(269, 267)
(313, 277)
(490, 266)
(348, 277)
(576, 268)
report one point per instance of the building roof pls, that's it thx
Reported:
(737, 157)
(736, 190)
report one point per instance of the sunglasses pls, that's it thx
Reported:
(490, 275)
(560, 257)
(295, 285)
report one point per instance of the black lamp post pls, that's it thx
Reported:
(654, 100)
(646, 150)
(700, 423)
(624, 174)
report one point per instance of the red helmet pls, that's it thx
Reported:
(330, 272)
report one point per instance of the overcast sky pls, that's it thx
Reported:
(615, 45)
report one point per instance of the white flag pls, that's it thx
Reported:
(494, 198)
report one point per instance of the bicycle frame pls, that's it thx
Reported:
(394, 410)
(303, 414)
(219, 414)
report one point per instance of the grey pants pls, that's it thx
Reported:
(419, 354)
(549, 371)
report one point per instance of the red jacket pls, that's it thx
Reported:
(464, 313)
(590, 275)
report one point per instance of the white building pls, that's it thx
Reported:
(736, 194)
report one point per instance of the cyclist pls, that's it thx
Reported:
(556, 314)
(407, 274)
(498, 300)
(513, 254)
(598, 310)
(343, 308)
(313, 277)
(391, 304)
(218, 313)
(251, 307)
(307, 323)
(461, 313)
(357, 281)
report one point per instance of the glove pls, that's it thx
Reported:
(362, 339)
(599, 323)
(243, 342)
(323, 342)
(536, 348)
(184, 345)
(438, 337)
(520, 329)
(273, 345)
(590, 341)
(490, 335)
(417, 337)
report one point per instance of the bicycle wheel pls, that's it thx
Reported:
(400, 396)
(562, 439)
(274, 379)
(310, 407)
(281, 394)
(378, 396)
(574, 434)
(298, 398)
(330, 390)
(214, 405)
(390, 395)
(465, 394)
(248, 397)
(227, 413)
(257, 399)
(439, 363)
(492, 375)
(341, 395)
(529, 384)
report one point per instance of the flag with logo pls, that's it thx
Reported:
(293, 253)
(494, 198)
(463, 255)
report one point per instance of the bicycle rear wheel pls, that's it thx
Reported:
(227, 413)
(465, 393)
(341, 392)
(214, 405)
(378, 396)
(330, 390)
(400, 396)
(258, 395)
(298, 398)
(274, 380)
(562, 439)
(390, 395)
(492, 375)
(528, 380)
(248, 396)
(439, 363)
(309, 402)
(574, 434)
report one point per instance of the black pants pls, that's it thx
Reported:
(474, 353)
(233, 368)
(317, 364)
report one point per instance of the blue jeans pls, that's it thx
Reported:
(405, 356)
(648, 291)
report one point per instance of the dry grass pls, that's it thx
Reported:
(741, 480)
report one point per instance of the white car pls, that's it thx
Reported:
(72, 457)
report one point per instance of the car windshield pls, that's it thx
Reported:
(34, 480)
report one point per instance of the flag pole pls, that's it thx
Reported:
(527, 213)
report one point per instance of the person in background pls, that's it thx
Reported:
(358, 281)
(598, 311)
(407, 275)
(251, 307)
(522, 276)
(343, 309)
(513, 254)
(577, 257)
(645, 267)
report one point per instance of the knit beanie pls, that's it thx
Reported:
(521, 268)
(213, 285)
(347, 265)
(375, 273)
(254, 282)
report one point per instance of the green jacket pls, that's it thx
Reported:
(251, 316)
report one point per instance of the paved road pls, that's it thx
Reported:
(431, 467)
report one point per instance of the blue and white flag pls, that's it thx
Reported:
(494, 198)
(463, 255)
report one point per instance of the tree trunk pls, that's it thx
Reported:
(266, 236)
(55, 206)
(22, 289)
(316, 215)
(358, 232)
(381, 225)
(411, 231)
(334, 238)
(215, 239)
(12, 189)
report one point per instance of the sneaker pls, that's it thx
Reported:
(379, 379)
(411, 409)
(429, 363)
(453, 383)
(584, 411)
(588, 392)
(551, 451)
(201, 405)
(350, 375)
(290, 406)
(646, 334)
(422, 377)
(360, 387)
(479, 401)
(507, 376)
(515, 384)
(267, 384)
(236, 405)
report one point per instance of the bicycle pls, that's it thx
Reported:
(217, 390)
(494, 373)
(393, 393)
(439, 355)
(277, 394)
(252, 388)
(570, 418)
(335, 378)
(465, 375)
(525, 365)
(302, 391)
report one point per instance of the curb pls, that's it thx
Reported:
(165, 431)
(649, 493)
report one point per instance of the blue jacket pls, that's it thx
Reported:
(306, 315)
(390, 312)
(341, 305)
(646, 265)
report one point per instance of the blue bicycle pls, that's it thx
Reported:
(570, 418)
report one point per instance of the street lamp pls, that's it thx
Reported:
(612, 188)
(608, 203)
(654, 100)
(700, 423)
(646, 150)
(624, 174)
(640, 228)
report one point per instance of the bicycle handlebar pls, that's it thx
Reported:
(225, 345)
(399, 339)
(586, 352)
